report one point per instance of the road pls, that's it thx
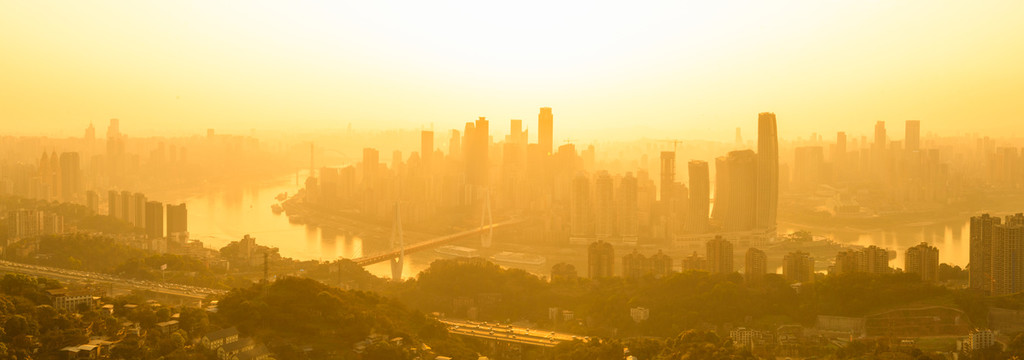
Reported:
(508, 333)
(82, 276)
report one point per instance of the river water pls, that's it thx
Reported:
(219, 215)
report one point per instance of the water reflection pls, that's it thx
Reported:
(951, 238)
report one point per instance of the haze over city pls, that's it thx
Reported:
(462, 180)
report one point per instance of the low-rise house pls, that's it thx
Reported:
(216, 339)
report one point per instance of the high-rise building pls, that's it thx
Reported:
(140, 210)
(668, 175)
(427, 148)
(114, 204)
(913, 135)
(127, 207)
(661, 264)
(545, 130)
(71, 176)
(92, 201)
(876, 260)
(580, 225)
(848, 261)
(839, 157)
(154, 220)
(371, 161)
(700, 197)
(695, 263)
(604, 206)
(924, 261)
(767, 171)
(601, 260)
(563, 272)
(628, 212)
(798, 266)
(756, 265)
(477, 144)
(742, 191)
(719, 256)
(455, 145)
(721, 210)
(808, 167)
(177, 219)
(635, 265)
(1008, 256)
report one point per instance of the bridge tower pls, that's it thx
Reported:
(486, 220)
(397, 241)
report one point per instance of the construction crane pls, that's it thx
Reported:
(675, 143)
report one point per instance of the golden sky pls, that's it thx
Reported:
(662, 69)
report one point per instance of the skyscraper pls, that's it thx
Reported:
(719, 255)
(427, 148)
(154, 220)
(177, 219)
(700, 197)
(924, 261)
(668, 175)
(913, 135)
(635, 265)
(755, 265)
(139, 207)
(661, 264)
(798, 266)
(721, 210)
(71, 176)
(742, 191)
(601, 260)
(114, 204)
(1008, 256)
(876, 260)
(604, 206)
(127, 207)
(628, 213)
(371, 161)
(767, 171)
(545, 130)
(92, 201)
(580, 226)
(476, 154)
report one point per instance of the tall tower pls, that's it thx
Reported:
(580, 226)
(798, 266)
(980, 277)
(700, 197)
(719, 256)
(628, 214)
(767, 171)
(545, 128)
(604, 206)
(742, 193)
(668, 175)
(756, 265)
(924, 261)
(913, 135)
(600, 260)
(427, 148)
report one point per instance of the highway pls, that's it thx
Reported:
(83, 276)
(508, 333)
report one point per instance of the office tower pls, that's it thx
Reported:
(839, 156)
(700, 201)
(92, 201)
(627, 214)
(604, 206)
(114, 204)
(798, 266)
(635, 265)
(114, 129)
(90, 134)
(767, 171)
(695, 263)
(140, 210)
(427, 148)
(580, 226)
(154, 220)
(661, 264)
(371, 162)
(177, 219)
(742, 189)
(455, 145)
(601, 260)
(515, 131)
(127, 207)
(880, 138)
(876, 260)
(808, 167)
(721, 209)
(71, 176)
(668, 176)
(545, 130)
(924, 261)
(755, 265)
(719, 256)
(563, 272)
(913, 135)
(475, 151)
(1008, 256)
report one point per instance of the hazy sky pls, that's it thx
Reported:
(674, 69)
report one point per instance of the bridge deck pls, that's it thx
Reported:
(391, 254)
